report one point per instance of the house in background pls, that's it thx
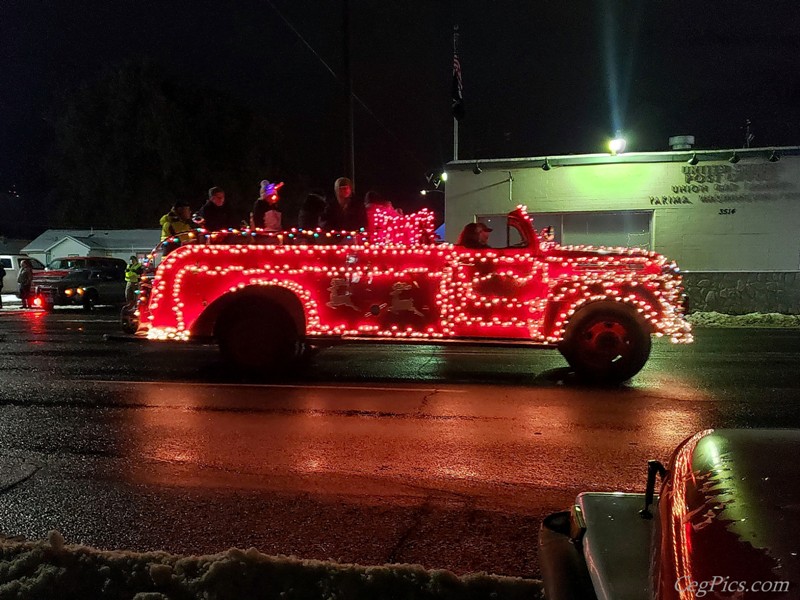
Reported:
(115, 243)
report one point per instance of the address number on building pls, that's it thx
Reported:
(727, 211)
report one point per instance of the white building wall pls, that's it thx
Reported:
(714, 216)
(64, 248)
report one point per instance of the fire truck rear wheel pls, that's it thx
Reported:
(260, 339)
(606, 342)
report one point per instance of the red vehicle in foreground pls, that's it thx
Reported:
(264, 297)
(723, 526)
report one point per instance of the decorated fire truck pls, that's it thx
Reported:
(268, 297)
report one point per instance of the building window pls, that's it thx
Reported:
(503, 235)
(630, 228)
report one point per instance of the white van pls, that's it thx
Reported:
(10, 263)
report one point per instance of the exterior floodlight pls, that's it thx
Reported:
(694, 160)
(444, 176)
(477, 169)
(617, 145)
(735, 158)
(546, 164)
(774, 157)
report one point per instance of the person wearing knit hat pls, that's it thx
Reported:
(266, 213)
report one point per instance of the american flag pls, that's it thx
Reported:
(458, 89)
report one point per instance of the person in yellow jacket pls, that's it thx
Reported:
(176, 226)
(177, 222)
(133, 272)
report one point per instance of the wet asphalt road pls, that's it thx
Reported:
(444, 457)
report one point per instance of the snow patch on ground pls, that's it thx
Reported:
(51, 568)
(715, 319)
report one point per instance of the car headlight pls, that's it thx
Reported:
(69, 292)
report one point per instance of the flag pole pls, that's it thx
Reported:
(455, 120)
(455, 138)
(349, 150)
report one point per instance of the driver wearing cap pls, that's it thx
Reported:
(474, 236)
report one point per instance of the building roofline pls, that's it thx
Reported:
(569, 160)
(42, 245)
(64, 239)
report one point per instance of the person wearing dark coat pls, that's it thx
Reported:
(345, 212)
(25, 281)
(312, 211)
(213, 216)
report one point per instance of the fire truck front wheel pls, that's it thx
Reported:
(261, 339)
(606, 342)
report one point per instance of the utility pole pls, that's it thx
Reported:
(456, 82)
(349, 137)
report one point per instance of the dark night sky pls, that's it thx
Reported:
(536, 75)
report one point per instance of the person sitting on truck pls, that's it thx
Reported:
(213, 215)
(344, 212)
(474, 236)
(177, 222)
(266, 213)
(312, 211)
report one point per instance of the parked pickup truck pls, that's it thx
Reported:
(725, 525)
(264, 297)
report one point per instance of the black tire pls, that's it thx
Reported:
(89, 300)
(258, 338)
(606, 342)
(128, 318)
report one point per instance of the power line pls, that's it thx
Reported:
(361, 103)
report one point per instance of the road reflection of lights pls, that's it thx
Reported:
(173, 454)
(665, 428)
(309, 444)
(170, 431)
(181, 443)
(667, 424)
(35, 320)
(460, 472)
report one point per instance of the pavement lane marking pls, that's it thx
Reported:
(277, 385)
(6, 311)
(88, 320)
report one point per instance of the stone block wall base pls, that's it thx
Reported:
(739, 293)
